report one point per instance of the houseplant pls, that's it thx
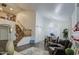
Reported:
(65, 33)
(69, 51)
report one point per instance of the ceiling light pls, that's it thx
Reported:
(11, 8)
(4, 5)
(1, 9)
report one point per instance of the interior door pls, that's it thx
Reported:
(4, 32)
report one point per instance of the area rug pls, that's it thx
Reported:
(34, 51)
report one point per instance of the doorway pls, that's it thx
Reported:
(4, 37)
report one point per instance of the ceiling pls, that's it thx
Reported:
(48, 10)
(57, 11)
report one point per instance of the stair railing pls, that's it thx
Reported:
(21, 25)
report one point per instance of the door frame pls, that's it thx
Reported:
(9, 28)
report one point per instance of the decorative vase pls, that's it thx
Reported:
(10, 47)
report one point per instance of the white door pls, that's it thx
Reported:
(4, 32)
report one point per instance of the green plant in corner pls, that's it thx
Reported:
(69, 51)
(65, 33)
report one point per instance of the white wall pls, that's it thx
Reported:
(57, 27)
(39, 27)
(44, 26)
(63, 26)
(78, 13)
(74, 18)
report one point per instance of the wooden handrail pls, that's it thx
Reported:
(23, 28)
(27, 32)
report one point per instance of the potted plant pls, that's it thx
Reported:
(69, 51)
(65, 33)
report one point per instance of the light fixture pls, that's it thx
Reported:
(4, 5)
(11, 29)
(11, 9)
(1, 8)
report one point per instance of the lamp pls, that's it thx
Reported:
(1, 8)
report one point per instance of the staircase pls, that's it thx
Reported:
(27, 32)
(19, 34)
(21, 31)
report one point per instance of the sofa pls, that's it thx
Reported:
(56, 47)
